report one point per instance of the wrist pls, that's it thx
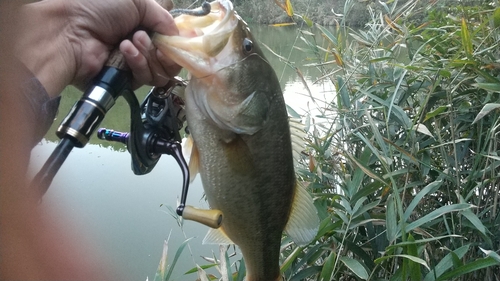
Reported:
(41, 47)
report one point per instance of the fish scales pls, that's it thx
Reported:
(242, 146)
(231, 168)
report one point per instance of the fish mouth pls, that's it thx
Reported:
(201, 44)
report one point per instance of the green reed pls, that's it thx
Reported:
(403, 163)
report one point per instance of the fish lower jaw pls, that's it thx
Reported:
(200, 71)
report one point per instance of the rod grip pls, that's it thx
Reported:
(211, 218)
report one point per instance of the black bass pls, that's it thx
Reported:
(241, 138)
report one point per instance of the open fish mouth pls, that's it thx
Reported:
(221, 12)
(202, 40)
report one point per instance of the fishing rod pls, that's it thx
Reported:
(154, 127)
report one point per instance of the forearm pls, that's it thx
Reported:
(41, 47)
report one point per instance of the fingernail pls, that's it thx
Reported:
(133, 52)
(161, 75)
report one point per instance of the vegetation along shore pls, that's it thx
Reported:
(403, 164)
(353, 13)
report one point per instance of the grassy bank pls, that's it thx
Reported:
(403, 164)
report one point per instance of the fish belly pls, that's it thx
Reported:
(251, 179)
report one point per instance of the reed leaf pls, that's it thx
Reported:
(446, 263)
(410, 257)
(162, 267)
(391, 220)
(328, 267)
(176, 258)
(469, 267)
(430, 188)
(355, 266)
(437, 213)
(487, 108)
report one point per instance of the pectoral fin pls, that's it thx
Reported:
(194, 157)
(217, 236)
(239, 156)
(303, 223)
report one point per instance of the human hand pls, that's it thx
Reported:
(68, 41)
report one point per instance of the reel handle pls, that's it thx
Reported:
(211, 218)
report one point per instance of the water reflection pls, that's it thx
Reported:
(120, 212)
(286, 43)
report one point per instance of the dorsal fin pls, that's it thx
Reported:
(303, 223)
(298, 136)
(217, 236)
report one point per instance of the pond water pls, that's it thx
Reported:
(122, 214)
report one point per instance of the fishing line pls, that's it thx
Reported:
(198, 12)
(295, 68)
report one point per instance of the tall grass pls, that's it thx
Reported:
(403, 164)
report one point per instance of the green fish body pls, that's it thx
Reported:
(242, 144)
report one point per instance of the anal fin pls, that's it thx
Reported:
(217, 236)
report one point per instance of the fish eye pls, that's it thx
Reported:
(247, 45)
